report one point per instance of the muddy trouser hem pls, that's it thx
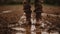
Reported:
(38, 15)
(28, 18)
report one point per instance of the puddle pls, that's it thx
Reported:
(33, 28)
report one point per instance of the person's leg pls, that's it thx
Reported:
(27, 10)
(38, 10)
(38, 16)
(28, 18)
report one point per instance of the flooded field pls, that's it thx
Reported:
(15, 13)
(33, 29)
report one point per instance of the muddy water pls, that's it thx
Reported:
(31, 29)
(26, 30)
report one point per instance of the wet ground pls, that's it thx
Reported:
(41, 28)
(33, 29)
(30, 29)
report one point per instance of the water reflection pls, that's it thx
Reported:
(33, 29)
